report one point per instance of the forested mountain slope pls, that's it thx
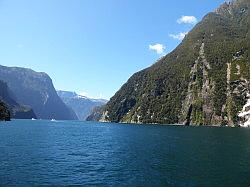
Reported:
(205, 80)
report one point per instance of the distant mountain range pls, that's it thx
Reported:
(204, 81)
(82, 106)
(27, 94)
(36, 90)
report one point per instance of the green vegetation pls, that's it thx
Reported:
(4, 112)
(159, 94)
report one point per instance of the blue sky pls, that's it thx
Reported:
(93, 46)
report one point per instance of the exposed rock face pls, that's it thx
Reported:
(232, 7)
(81, 105)
(37, 91)
(245, 113)
(197, 107)
(16, 110)
(204, 81)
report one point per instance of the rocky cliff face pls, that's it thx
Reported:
(204, 81)
(81, 105)
(16, 110)
(37, 91)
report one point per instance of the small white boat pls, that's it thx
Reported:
(53, 120)
(33, 119)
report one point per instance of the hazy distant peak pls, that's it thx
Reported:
(82, 105)
(63, 93)
(72, 94)
(82, 97)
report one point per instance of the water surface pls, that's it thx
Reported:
(97, 154)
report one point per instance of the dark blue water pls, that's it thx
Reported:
(96, 154)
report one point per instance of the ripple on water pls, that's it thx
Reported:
(85, 153)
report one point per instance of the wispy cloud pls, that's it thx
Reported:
(187, 19)
(158, 48)
(179, 36)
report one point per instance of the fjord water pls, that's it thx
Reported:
(98, 154)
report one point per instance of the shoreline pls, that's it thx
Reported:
(151, 124)
(160, 124)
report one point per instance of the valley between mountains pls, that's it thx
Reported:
(204, 81)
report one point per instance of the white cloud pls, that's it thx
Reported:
(159, 48)
(187, 19)
(179, 36)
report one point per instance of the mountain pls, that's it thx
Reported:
(81, 105)
(16, 110)
(96, 114)
(204, 81)
(4, 112)
(37, 91)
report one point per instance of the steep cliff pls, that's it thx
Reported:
(204, 81)
(16, 110)
(36, 90)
